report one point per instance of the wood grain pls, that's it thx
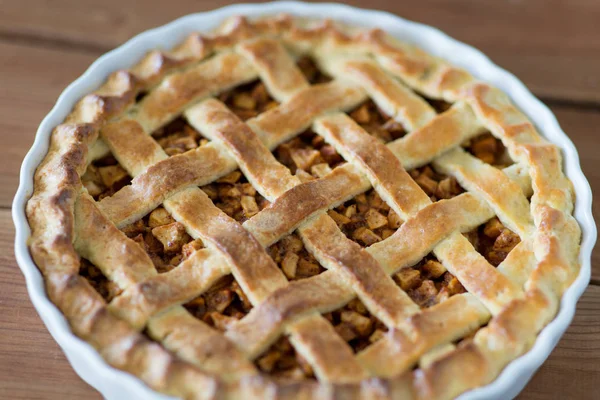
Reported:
(552, 45)
(31, 78)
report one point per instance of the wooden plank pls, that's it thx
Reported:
(32, 366)
(31, 79)
(552, 45)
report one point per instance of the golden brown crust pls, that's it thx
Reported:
(318, 294)
(383, 168)
(50, 209)
(219, 73)
(301, 109)
(446, 131)
(393, 97)
(276, 69)
(359, 269)
(113, 246)
(501, 193)
(252, 267)
(146, 192)
(428, 227)
(518, 298)
(284, 215)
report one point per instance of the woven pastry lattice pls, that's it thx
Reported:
(506, 306)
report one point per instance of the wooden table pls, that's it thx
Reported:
(553, 46)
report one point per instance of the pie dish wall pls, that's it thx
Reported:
(115, 384)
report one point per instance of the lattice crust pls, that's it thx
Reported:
(419, 356)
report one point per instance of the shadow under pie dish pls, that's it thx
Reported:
(291, 208)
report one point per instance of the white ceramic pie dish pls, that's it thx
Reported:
(115, 384)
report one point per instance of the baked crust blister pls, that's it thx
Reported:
(488, 315)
